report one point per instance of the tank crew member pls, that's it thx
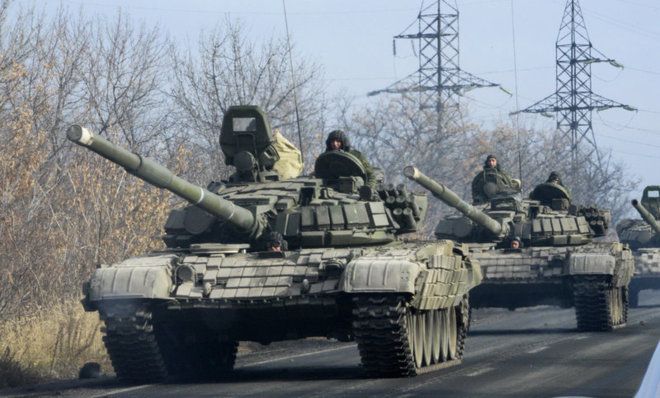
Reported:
(338, 141)
(275, 242)
(516, 243)
(491, 173)
(554, 178)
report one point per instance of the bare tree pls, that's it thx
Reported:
(64, 211)
(227, 70)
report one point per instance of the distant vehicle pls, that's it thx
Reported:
(263, 259)
(643, 236)
(540, 251)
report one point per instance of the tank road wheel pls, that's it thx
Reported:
(599, 306)
(451, 326)
(437, 339)
(131, 343)
(428, 337)
(396, 340)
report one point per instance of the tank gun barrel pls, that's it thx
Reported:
(451, 199)
(646, 215)
(161, 177)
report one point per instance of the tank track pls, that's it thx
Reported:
(382, 334)
(140, 352)
(599, 306)
(625, 291)
(132, 345)
(464, 316)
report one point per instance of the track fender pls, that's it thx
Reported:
(134, 278)
(370, 275)
(591, 264)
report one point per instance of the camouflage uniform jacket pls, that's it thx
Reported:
(489, 174)
(368, 169)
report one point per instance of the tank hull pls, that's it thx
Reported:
(647, 273)
(557, 276)
(220, 298)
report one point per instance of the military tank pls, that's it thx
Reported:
(557, 259)
(643, 236)
(342, 269)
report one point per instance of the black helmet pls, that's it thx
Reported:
(554, 176)
(339, 136)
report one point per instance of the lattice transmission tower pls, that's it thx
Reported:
(573, 101)
(439, 81)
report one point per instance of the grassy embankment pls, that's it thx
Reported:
(50, 344)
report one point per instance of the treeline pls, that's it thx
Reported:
(63, 211)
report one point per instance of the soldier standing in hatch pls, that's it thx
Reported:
(338, 141)
(554, 178)
(492, 169)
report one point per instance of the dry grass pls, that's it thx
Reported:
(52, 343)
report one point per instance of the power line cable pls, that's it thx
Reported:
(632, 28)
(634, 3)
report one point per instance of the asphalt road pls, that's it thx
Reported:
(532, 352)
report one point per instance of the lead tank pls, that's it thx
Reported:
(643, 236)
(345, 271)
(560, 260)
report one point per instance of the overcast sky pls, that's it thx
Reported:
(352, 40)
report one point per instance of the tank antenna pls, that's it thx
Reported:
(293, 81)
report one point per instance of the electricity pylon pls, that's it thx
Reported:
(573, 101)
(439, 81)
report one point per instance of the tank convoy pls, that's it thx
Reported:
(347, 272)
(643, 236)
(558, 258)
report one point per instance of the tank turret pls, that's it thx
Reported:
(646, 215)
(547, 218)
(644, 233)
(334, 208)
(643, 236)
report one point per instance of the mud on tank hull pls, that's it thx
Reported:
(593, 278)
(182, 314)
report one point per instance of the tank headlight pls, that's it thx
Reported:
(185, 273)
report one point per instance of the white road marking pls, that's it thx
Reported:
(538, 349)
(121, 390)
(297, 356)
(479, 372)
